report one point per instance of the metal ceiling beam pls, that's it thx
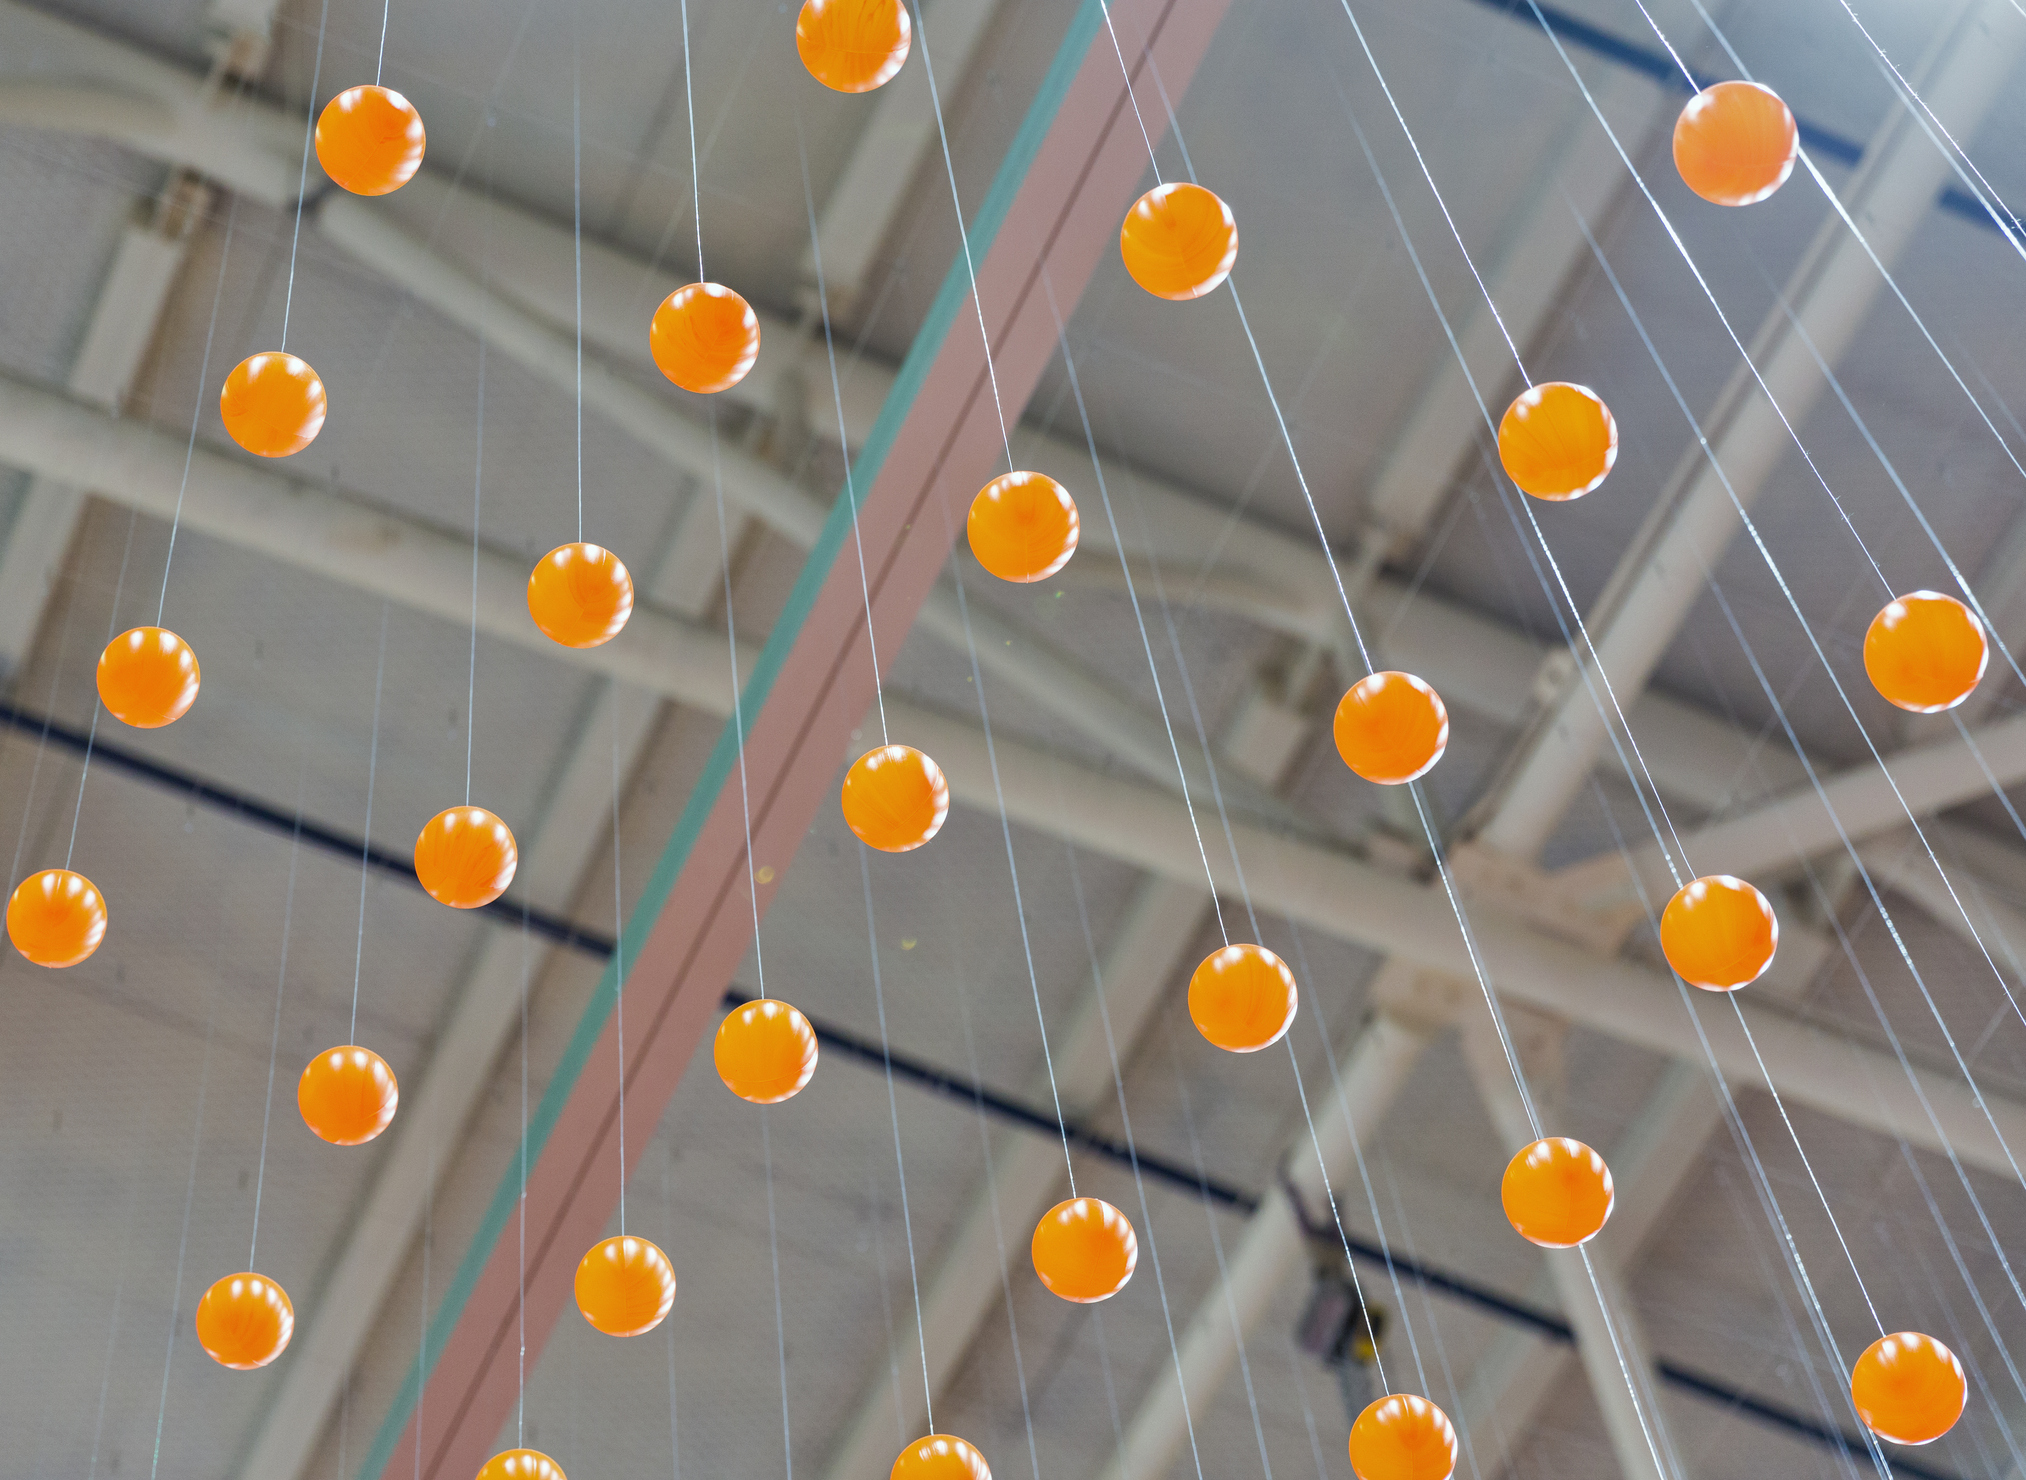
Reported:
(1694, 520)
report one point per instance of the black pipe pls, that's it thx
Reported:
(926, 1076)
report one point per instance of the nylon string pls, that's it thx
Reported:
(197, 412)
(303, 175)
(274, 1043)
(366, 845)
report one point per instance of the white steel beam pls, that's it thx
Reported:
(1694, 520)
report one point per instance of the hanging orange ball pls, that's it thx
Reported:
(1084, 1250)
(521, 1464)
(1925, 652)
(1179, 241)
(704, 337)
(1719, 933)
(895, 798)
(148, 677)
(273, 404)
(580, 595)
(625, 1286)
(370, 140)
(1403, 1437)
(466, 857)
(1391, 728)
(1023, 526)
(1735, 143)
(1242, 998)
(244, 1321)
(853, 46)
(765, 1051)
(1557, 441)
(56, 918)
(1557, 1193)
(347, 1095)
(941, 1457)
(1908, 1388)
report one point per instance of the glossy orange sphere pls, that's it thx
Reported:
(1403, 1437)
(765, 1051)
(521, 1464)
(1557, 1193)
(1023, 527)
(852, 46)
(370, 140)
(466, 857)
(273, 404)
(941, 1457)
(895, 798)
(1179, 241)
(244, 1321)
(1391, 728)
(1557, 441)
(1242, 998)
(148, 677)
(704, 337)
(1719, 933)
(1908, 1388)
(1925, 652)
(1084, 1250)
(347, 1095)
(625, 1286)
(1735, 143)
(56, 918)
(580, 595)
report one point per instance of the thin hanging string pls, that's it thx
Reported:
(303, 175)
(1864, 873)
(422, 1306)
(738, 701)
(477, 489)
(669, 1230)
(380, 68)
(274, 1043)
(56, 673)
(98, 705)
(843, 437)
(521, 1287)
(197, 412)
(366, 845)
(619, 956)
(963, 234)
(695, 161)
(183, 1239)
(577, 236)
(1127, 72)
(1139, 1182)
(893, 1116)
(780, 1321)
(119, 1291)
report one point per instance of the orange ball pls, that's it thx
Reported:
(765, 1051)
(1735, 143)
(853, 46)
(1925, 652)
(1908, 1388)
(895, 798)
(521, 1464)
(704, 337)
(1557, 441)
(273, 404)
(347, 1095)
(1242, 998)
(625, 1286)
(370, 140)
(1084, 1250)
(56, 918)
(1403, 1437)
(580, 595)
(148, 677)
(1557, 1193)
(941, 1457)
(1719, 933)
(1179, 241)
(1391, 728)
(466, 857)
(1023, 527)
(244, 1321)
